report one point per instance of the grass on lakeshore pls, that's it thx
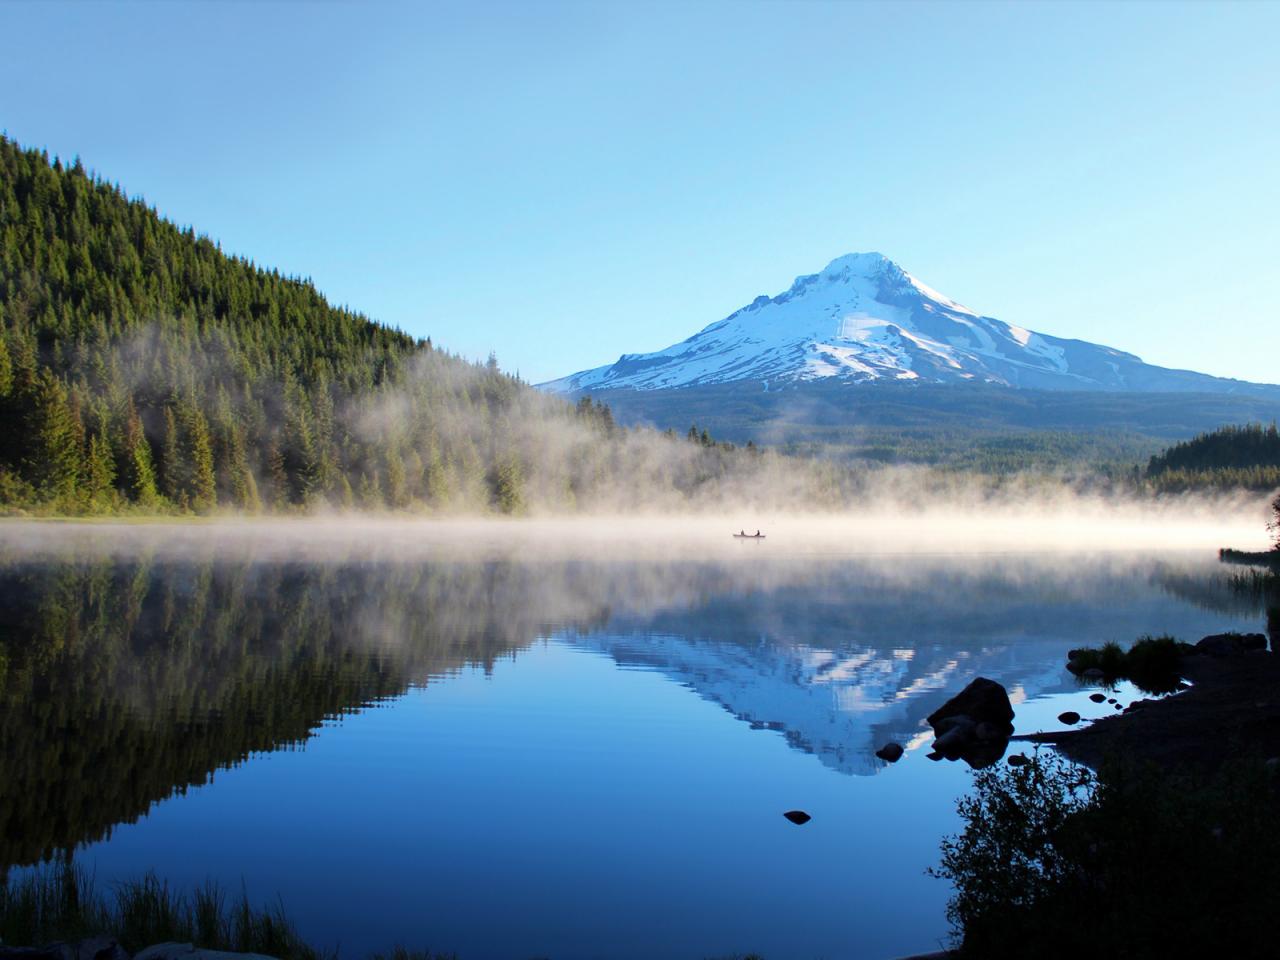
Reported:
(1151, 663)
(63, 903)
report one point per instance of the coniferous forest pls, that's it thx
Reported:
(143, 369)
(1231, 457)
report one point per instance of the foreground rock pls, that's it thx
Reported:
(981, 701)
(798, 817)
(974, 725)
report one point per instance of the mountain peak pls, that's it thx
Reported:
(863, 319)
(862, 264)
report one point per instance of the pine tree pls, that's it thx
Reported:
(6, 365)
(171, 471)
(52, 460)
(99, 471)
(506, 482)
(139, 474)
(201, 485)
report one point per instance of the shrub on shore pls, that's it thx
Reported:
(1151, 663)
(1057, 862)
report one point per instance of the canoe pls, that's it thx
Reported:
(749, 536)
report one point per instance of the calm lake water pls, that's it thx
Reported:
(534, 752)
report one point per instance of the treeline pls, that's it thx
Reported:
(141, 368)
(1229, 458)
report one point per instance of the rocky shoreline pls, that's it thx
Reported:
(1231, 708)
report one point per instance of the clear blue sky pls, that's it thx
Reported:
(562, 183)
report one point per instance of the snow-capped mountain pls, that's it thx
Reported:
(864, 318)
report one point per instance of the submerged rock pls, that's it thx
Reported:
(798, 817)
(890, 752)
(1097, 697)
(1069, 717)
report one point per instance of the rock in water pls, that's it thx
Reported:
(974, 725)
(890, 752)
(1097, 697)
(1069, 717)
(982, 701)
(798, 817)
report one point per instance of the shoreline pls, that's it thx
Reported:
(1232, 707)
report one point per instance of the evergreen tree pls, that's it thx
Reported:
(201, 490)
(100, 471)
(52, 456)
(506, 482)
(6, 366)
(139, 476)
(170, 460)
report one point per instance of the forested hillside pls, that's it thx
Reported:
(141, 368)
(1242, 457)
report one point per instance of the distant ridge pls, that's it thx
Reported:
(864, 319)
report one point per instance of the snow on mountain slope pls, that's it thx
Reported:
(864, 318)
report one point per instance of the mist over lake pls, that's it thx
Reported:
(514, 740)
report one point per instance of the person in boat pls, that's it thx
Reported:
(742, 533)
(757, 533)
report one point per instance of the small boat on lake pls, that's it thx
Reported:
(749, 536)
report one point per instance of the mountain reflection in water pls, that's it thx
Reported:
(129, 677)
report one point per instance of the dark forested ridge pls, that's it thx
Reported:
(142, 368)
(983, 427)
(1244, 457)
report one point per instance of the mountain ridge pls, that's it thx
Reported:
(864, 319)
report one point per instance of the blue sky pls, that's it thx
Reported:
(562, 183)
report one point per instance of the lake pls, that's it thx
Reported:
(512, 746)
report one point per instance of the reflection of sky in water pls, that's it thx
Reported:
(616, 789)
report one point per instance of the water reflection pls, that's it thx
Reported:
(131, 675)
